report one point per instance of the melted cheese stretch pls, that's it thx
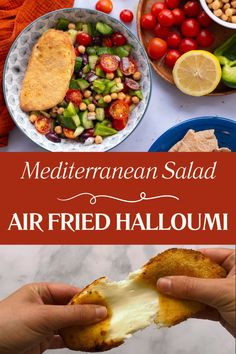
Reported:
(134, 306)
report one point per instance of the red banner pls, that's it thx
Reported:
(118, 198)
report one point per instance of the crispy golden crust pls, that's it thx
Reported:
(49, 72)
(95, 338)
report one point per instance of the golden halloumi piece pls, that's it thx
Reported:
(135, 303)
(49, 71)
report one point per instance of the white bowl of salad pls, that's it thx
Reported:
(109, 90)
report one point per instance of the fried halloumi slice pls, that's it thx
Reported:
(49, 71)
(134, 304)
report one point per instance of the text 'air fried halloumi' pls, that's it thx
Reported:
(49, 71)
(135, 303)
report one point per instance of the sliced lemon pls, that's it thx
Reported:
(197, 73)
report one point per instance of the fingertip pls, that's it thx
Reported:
(101, 312)
(164, 284)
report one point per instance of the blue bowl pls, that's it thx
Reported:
(225, 131)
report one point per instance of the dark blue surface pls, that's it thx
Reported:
(225, 131)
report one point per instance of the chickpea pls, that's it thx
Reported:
(110, 76)
(118, 80)
(218, 12)
(233, 3)
(225, 1)
(83, 106)
(233, 19)
(87, 93)
(58, 129)
(97, 97)
(81, 49)
(226, 6)
(135, 99)
(217, 5)
(98, 139)
(33, 118)
(128, 99)
(91, 107)
(107, 99)
(137, 76)
(209, 1)
(224, 17)
(121, 96)
(114, 96)
(71, 26)
(230, 12)
(60, 110)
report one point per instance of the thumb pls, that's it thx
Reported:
(58, 317)
(207, 291)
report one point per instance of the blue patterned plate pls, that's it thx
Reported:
(225, 131)
(16, 64)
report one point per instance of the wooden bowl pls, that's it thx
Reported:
(221, 35)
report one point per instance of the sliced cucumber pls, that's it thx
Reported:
(100, 114)
(78, 131)
(92, 61)
(104, 50)
(76, 120)
(91, 50)
(70, 110)
(121, 52)
(87, 124)
(66, 122)
(79, 26)
(78, 64)
(73, 33)
(104, 29)
(87, 28)
(119, 73)
(73, 84)
(86, 69)
(99, 72)
(83, 84)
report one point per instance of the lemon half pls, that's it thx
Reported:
(197, 73)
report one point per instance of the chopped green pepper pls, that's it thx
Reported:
(226, 54)
(99, 86)
(103, 130)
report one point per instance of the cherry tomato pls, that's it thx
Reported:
(74, 96)
(190, 27)
(148, 22)
(43, 125)
(166, 18)
(205, 38)
(119, 124)
(118, 39)
(172, 4)
(119, 110)
(171, 57)
(204, 20)
(192, 8)
(128, 66)
(178, 16)
(187, 44)
(104, 6)
(77, 53)
(173, 40)
(109, 63)
(161, 32)
(84, 39)
(107, 42)
(157, 47)
(69, 133)
(157, 7)
(126, 16)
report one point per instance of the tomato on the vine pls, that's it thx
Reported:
(104, 6)
(204, 20)
(157, 7)
(148, 22)
(172, 4)
(173, 39)
(157, 47)
(205, 38)
(192, 8)
(118, 39)
(190, 27)
(126, 16)
(171, 57)
(84, 39)
(178, 16)
(166, 18)
(161, 31)
(187, 44)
